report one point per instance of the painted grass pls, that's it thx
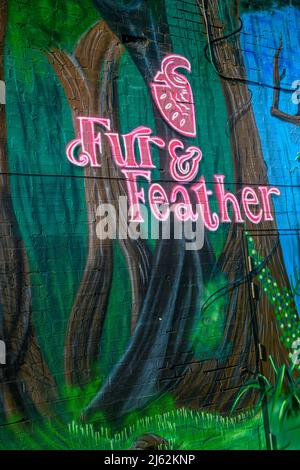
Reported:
(183, 429)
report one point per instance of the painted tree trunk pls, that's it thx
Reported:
(25, 380)
(214, 385)
(157, 354)
(90, 96)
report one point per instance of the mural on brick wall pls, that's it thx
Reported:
(182, 116)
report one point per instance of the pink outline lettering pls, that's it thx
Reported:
(142, 136)
(183, 210)
(162, 199)
(211, 221)
(89, 142)
(173, 97)
(133, 194)
(265, 195)
(225, 197)
(256, 219)
(184, 168)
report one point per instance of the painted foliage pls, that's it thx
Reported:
(186, 102)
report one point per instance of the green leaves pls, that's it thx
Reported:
(50, 23)
(283, 395)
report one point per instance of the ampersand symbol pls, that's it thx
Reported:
(184, 168)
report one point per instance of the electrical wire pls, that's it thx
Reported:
(114, 178)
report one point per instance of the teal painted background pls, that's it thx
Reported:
(49, 203)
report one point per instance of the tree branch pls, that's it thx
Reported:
(72, 80)
(275, 111)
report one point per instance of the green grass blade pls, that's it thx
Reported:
(279, 384)
(242, 392)
(273, 365)
(266, 381)
(283, 411)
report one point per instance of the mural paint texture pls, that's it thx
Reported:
(114, 114)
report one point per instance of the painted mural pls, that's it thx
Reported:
(174, 114)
